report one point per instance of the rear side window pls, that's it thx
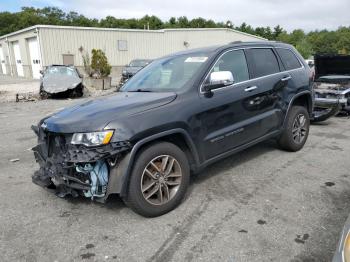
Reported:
(235, 62)
(289, 60)
(263, 62)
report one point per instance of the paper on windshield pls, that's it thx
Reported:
(196, 59)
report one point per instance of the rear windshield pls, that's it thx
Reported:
(60, 70)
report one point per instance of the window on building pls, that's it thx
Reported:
(68, 59)
(122, 45)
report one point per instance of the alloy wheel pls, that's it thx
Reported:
(299, 129)
(161, 180)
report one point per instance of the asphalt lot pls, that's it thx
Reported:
(263, 204)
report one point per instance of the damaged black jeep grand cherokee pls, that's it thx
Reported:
(176, 116)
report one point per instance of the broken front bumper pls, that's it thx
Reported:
(75, 169)
(325, 108)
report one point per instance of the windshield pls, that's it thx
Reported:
(167, 74)
(61, 70)
(139, 63)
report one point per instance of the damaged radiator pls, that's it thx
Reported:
(74, 169)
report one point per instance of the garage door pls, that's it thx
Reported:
(18, 59)
(2, 61)
(34, 57)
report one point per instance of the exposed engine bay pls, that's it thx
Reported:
(74, 169)
(332, 80)
(334, 92)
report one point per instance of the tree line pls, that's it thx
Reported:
(324, 41)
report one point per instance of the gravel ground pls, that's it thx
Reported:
(10, 86)
(263, 204)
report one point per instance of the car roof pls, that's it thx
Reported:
(236, 44)
(71, 66)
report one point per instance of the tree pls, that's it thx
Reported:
(304, 48)
(99, 63)
(324, 41)
(277, 31)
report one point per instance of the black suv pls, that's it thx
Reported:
(176, 116)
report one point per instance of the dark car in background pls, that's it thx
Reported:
(176, 116)
(132, 68)
(332, 80)
(61, 81)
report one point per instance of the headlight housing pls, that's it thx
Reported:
(92, 138)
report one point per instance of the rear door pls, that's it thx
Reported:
(267, 74)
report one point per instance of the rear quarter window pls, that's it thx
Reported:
(289, 60)
(263, 62)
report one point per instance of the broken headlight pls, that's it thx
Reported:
(93, 138)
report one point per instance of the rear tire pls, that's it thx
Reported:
(159, 180)
(296, 129)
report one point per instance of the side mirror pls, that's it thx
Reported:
(41, 72)
(218, 80)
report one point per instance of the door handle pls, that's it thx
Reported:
(251, 88)
(286, 78)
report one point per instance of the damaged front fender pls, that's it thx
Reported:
(77, 169)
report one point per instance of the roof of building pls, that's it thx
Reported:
(126, 30)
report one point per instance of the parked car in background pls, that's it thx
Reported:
(61, 80)
(178, 115)
(132, 68)
(332, 80)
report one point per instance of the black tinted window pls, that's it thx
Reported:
(235, 62)
(289, 60)
(264, 62)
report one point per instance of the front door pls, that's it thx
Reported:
(239, 113)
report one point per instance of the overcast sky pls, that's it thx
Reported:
(305, 14)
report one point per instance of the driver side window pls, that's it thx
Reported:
(235, 62)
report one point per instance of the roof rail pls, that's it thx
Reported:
(236, 42)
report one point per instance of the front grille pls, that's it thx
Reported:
(56, 144)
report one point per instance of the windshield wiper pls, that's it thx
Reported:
(140, 90)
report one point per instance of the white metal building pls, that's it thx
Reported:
(25, 52)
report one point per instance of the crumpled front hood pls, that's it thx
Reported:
(94, 115)
(59, 83)
(336, 66)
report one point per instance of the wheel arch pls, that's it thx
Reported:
(119, 177)
(302, 99)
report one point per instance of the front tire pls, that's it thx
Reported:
(159, 180)
(296, 131)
